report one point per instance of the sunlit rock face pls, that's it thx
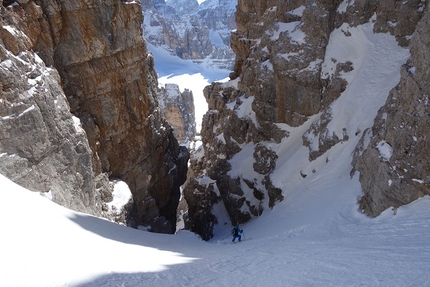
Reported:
(107, 76)
(178, 109)
(285, 74)
(42, 146)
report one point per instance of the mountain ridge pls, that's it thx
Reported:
(191, 31)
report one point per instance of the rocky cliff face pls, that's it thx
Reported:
(191, 31)
(108, 79)
(43, 147)
(284, 74)
(178, 109)
(394, 159)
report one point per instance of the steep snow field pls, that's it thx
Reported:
(315, 237)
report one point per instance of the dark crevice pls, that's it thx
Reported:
(8, 2)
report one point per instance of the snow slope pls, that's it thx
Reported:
(316, 239)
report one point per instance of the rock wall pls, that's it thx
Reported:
(42, 146)
(108, 79)
(178, 109)
(394, 160)
(279, 78)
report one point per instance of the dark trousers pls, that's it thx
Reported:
(237, 236)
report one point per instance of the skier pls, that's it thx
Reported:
(236, 233)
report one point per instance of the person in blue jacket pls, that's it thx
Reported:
(236, 232)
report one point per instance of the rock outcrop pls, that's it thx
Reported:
(192, 31)
(108, 79)
(43, 146)
(394, 159)
(178, 109)
(283, 76)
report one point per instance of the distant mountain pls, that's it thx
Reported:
(191, 31)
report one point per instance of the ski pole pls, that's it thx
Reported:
(244, 237)
(226, 236)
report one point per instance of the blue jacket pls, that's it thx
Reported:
(237, 231)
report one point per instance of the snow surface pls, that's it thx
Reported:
(344, 5)
(293, 29)
(216, 38)
(199, 1)
(298, 11)
(385, 150)
(315, 238)
(121, 196)
(245, 110)
(376, 61)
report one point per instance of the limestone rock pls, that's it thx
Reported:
(42, 145)
(320, 133)
(108, 79)
(201, 197)
(394, 166)
(279, 79)
(267, 89)
(224, 133)
(110, 83)
(178, 109)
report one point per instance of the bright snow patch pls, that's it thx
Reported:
(298, 11)
(7, 63)
(11, 30)
(376, 61)
(344, 5)
(216, 38)
(245, 110)
(48, 194)
(385, 150)
(32, 107)
(121, 196)
(293, 29)
(77, 123)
